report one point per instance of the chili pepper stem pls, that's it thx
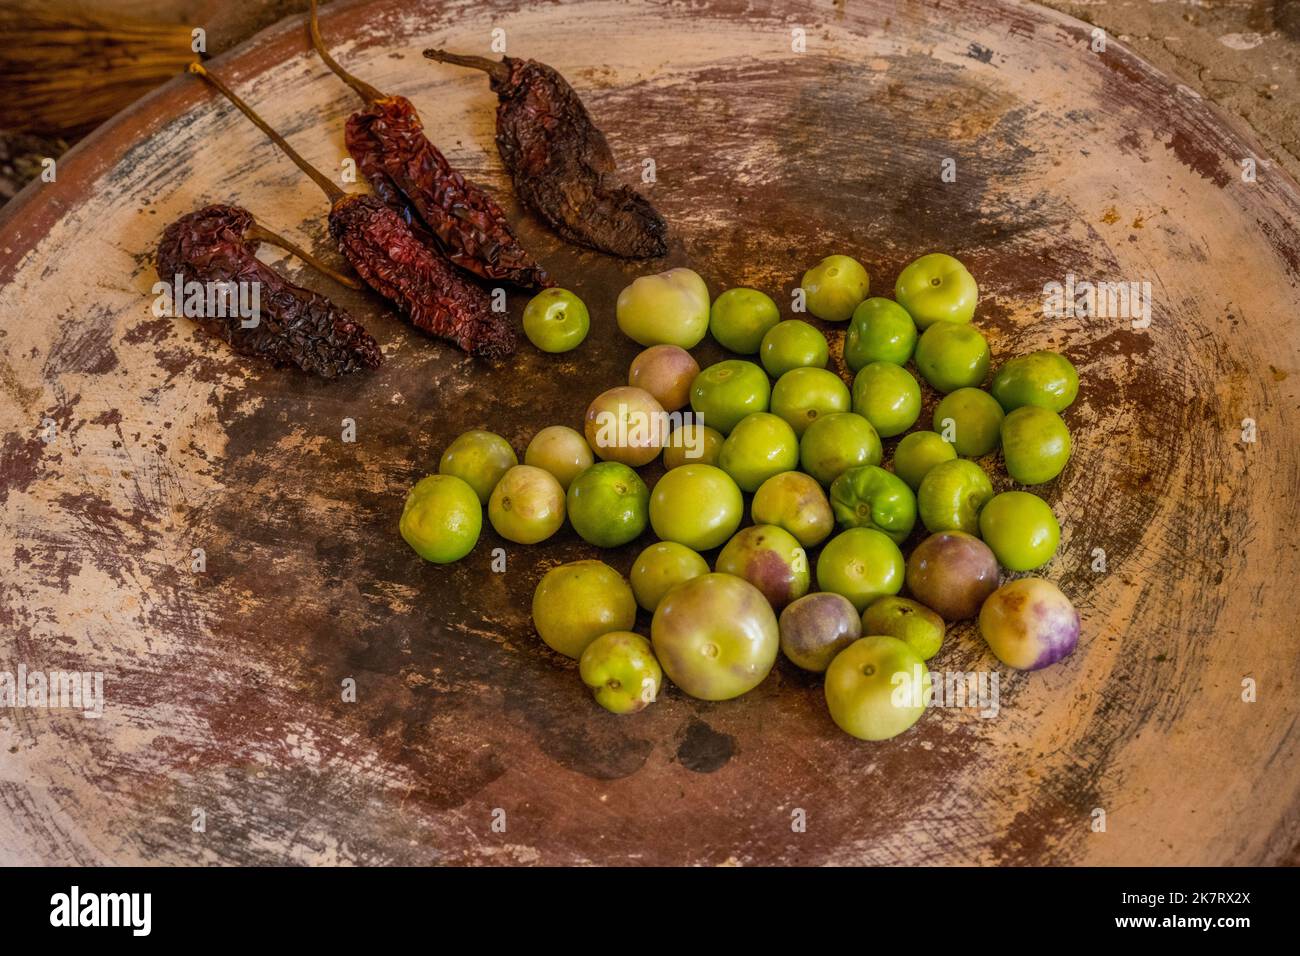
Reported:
(493, 68)
(262, 234)
(332, 191)
(362, 88)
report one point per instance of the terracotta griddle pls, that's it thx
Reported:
(224, 688)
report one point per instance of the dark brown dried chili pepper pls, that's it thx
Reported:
(295, 326)
(381, 247)
(561, 164)
(412, 175)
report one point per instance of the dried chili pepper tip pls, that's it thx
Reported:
(494, 342)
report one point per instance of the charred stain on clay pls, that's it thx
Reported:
(703, 749)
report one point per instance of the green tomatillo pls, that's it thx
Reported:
(726, 392)
(951, 356)
(556, 320)
(696, 505)
(740, 318)
(793, 344)
(877, 687)
(608, 504)
(1046, 379)
(561, 451)
(441, 519)
(886, 395)
(910, 621)
(716, 636)
(692, 443)
(937, 288)
(951, 496)
(918, 452)
(861, 564)
(835, 443)
(660, 568)
(621, 671)
(833, 288)
(870, 497)
(802, 395)
(576, 603)
(881, 331)
(669, 308)
(478, 458)
(1021, 530)
(527, 505)
(796, 502)
(970, 418)
(1035, 444)
(760, 446)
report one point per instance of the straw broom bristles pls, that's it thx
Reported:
(64, 73)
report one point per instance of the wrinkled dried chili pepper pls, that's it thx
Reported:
(381, 247)
(295, 327)
(560, 162)
(412, 175)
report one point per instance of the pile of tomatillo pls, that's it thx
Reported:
(808, 448)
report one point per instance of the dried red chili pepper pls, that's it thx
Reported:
(560, 162)
(295, 326)
(381, 247)
(412, 175)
